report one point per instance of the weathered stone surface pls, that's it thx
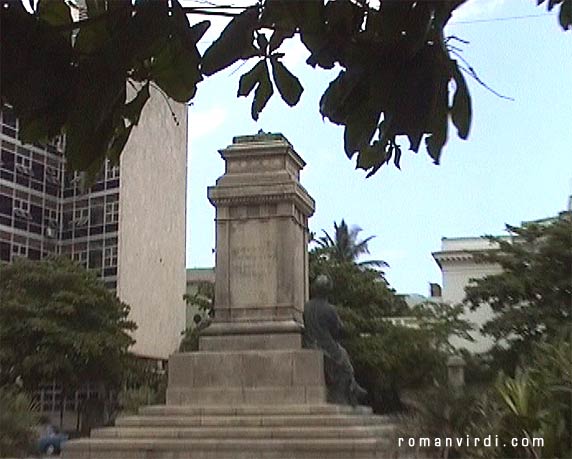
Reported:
(248, 431)
(261, 238)
(241, 377)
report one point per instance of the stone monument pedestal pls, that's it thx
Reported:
(234, 378)
(251, 391)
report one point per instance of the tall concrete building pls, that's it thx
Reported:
(128, 228)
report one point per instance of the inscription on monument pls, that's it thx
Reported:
(248, 261)
(252, 262)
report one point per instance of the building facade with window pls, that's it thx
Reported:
(129, 227)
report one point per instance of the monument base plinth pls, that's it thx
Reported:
(260, 335)
(266, 404)
(247, 377)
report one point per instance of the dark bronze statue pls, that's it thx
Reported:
(323, 330)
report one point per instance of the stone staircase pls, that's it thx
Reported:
(240, 432)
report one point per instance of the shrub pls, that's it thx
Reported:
(130, 400)
(18, 417)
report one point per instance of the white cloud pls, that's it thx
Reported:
(202, 123)
(477, 9)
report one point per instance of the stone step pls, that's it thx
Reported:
(250, 420)
(187, 410)
(331, 448)
(244, 432)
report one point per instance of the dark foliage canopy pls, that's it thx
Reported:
(59, 322)
(396, 68)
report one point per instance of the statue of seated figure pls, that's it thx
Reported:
(323, 330)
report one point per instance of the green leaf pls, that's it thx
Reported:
(176, 70)
(92, 37)
(397, 157)
(361, 124)
(36, 76)
(371, 156)
(133, 109)
(262, 42)
(436, 141)
(54, 12)
(234, 43)
(198, 30)
(439, 127)
(262, 94)
(414, 140)
(288, 85)
(461, 110)
(43, 126)
(249, 80)
(565, 15)
(91, 122)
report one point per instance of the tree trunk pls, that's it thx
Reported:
(78, 416)
(62, 408)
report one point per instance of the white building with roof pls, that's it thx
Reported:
(458, 267)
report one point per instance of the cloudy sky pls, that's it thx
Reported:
(516, 165)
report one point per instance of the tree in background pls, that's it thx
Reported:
(58, 322)
(397, 66)
(532, 296)
(203, 300)
(387, 358)
(345, 246)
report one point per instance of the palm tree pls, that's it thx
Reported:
(345, 246)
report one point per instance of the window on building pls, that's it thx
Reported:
(55, 146)
(80, 257)
(7, 145)
(23, 161)
(111, 172)
(52, 175)
(77, 178)
(95, 259)
(110, 257)
(23, 165)
(112, 212)
(4, 251)
(5, 204)
(9, 122)
(21, 204)
(22, 209)
(51, 215)
(8, 117)
(19, 250)
(80, 216)
(80, 212)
